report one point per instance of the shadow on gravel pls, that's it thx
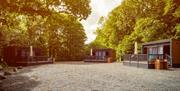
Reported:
(19, 83)
(27, 69)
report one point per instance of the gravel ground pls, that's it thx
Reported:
(79, 76)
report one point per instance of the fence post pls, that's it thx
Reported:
(138, 61)
(129, 59)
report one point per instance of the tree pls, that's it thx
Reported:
(149, 29)
(66, 36)
(177, 36)
(80, 9)
(52, 24)
(139, 20)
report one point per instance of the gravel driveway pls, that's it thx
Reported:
(79, 76)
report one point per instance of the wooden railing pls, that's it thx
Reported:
(152, 57)
(169, 60)
(135, 57)
(96, 57)
(39, 59)
(149, 58)
(137, 60)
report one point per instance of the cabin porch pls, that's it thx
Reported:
(166, 50)
(25, 56)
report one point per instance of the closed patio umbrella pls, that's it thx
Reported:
(31, 51)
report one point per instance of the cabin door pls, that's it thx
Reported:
(167, 54)
(166, 49)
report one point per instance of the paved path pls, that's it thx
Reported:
(78, 76)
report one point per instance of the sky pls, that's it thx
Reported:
(99, 8)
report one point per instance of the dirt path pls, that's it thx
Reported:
(91, 77)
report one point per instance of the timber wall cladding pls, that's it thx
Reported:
(176, 51)
(111, 53)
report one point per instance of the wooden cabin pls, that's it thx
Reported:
(24, 56)
(163, 49)
(166, 51)
(101, 55)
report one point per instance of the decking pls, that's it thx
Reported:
(25, 56)
(95, 59)
(35, 61)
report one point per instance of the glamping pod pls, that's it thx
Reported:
(156, 54)
(168, 49)
(101, 55)
(24, 56)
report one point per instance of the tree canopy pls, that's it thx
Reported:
(51, 24)
(141, 21)
(78, 8)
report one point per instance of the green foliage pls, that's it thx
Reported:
(177, 12)
(51, 24)
(125, 46)
(78, 8)
(169, 6)
(177, 36)
(66, 37)
(141, 21)
(148, 29)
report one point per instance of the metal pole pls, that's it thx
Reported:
(138, 60)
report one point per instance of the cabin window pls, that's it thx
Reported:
(97, 53)
(153, 50)
(160, 50)
(103, 53)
